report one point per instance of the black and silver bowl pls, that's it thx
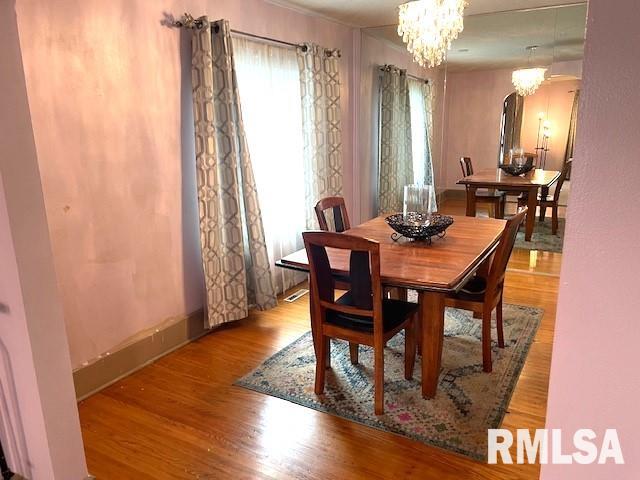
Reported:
(419, 226)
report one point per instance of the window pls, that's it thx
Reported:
(269, 87)
(420, 107)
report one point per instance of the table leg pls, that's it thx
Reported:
(432, 318)
(532, 203)
(471, 201)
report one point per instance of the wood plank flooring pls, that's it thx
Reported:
(182, 418)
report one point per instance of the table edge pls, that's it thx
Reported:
(503, 185)
(448, 288)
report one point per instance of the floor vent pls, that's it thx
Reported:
(295, 296)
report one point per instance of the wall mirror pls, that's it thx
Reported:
(483, 117)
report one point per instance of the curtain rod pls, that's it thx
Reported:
(267, 39)
(382, 68)
(188, 21)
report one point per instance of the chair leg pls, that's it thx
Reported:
(321, 363)
(499, 324)
(501, 204)
(353, 352)
(378, 373)
(327, 346)
(410, 348)
(486, 340)
(543, 212)
(554, 219)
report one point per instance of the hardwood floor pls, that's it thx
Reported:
(182, 418)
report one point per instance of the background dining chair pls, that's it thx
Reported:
(339, 210)
(482, 294)
(533, 158)
(545, 202)
(341, 223)
(493, 198)
(361, 315)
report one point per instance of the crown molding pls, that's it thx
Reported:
(311, 13)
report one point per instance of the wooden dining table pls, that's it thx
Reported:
(433, 270)
(495, 178)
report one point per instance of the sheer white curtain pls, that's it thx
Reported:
(269, 86)
(420, 106)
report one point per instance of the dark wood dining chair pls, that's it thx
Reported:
(483, 293)
(339, 210)
(532, 157)
(341, 223)
(361, 315)
(493, 198)
(545, 202)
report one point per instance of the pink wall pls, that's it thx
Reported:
(555, 99)
(39, 425)
(373, 53)
(594, 372)
(109, 91)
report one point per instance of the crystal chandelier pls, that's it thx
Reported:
(527, 80)
(428, 27)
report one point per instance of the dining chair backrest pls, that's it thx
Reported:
(532, 158)
(466, 166)
(365, 295)
(339, 210)
(566, 170)
(503, 252)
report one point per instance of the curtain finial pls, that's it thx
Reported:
(188, 21)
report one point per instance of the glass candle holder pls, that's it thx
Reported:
(417, 206)
(517, 156)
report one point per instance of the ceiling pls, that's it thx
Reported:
(496, 32)
(376, 13)
(499, 40)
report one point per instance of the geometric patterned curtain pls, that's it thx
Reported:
(322, 153)
(234, 255)
(396, 163)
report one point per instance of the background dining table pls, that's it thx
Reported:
(495, 178)
(434, 270)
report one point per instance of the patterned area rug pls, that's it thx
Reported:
(542, 238)
(468, 401)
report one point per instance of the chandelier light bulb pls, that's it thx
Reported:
(527, 80)
(428, 27)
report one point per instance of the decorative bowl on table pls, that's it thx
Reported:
(517, 169)
(419, 226)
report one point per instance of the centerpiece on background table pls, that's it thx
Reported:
(519, 164)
